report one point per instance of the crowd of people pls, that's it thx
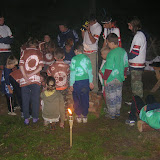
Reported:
(46, 72)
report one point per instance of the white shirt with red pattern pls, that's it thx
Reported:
(60, 71)
(31, 59)
(90, 47)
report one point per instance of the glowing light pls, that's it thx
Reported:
(69, 111)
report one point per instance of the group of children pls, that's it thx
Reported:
(75, 75)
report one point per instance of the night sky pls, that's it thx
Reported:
(35, 18)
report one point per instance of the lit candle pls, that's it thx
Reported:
(70, 124)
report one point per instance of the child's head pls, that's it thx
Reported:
(59, 54)
(78, 49)
(69, 44)
(47, 38)
(134, 24)
(104, 52)
(32, 42)
(112, 40)
(43, 76)
(50, 83)
(11, 62)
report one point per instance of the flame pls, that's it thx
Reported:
(70, 111)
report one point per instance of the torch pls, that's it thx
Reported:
(70, 124)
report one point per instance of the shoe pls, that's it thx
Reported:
(118, 115)
(12, 114)
(26, 121)
(130, 122)
(85, 119)
(112, 117)
(35, 120)
(79, 119)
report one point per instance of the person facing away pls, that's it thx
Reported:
(53, 108)
(81, 81)
(66, 33)
(69, 50)
(10, 64)
(137, 56)
(31, 63)
(114, 75)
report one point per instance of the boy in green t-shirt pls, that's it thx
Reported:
(81, 79)
(114, 75)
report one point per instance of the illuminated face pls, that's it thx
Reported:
(62, 28)
(47, 38)
(130, 27)
(107, 25)
(68, 48)
(1, 21)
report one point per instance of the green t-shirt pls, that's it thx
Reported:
(116, 61)
(81, 65)
(152, 117)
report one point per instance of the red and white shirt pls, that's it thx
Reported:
(90, 47)
(31, 59)
(138, 47)
(48, 57)
(60, 71)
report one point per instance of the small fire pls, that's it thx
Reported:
(69, 111)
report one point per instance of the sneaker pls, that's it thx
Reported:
(12, 114)
(26, 121)
(118, 115)
(79, 120)
(130, 122)
(85, 119)
(35, 120)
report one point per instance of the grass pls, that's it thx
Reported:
(99, 139)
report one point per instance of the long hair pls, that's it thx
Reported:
(136, 24)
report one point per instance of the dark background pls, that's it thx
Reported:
(35, 18)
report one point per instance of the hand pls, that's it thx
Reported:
(88, 28)
(61, 125)
(91, 86)
(105, 82)
(71, 88)
(145, 108)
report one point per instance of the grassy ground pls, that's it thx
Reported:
(99, 139)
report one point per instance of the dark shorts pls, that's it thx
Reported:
(3, 57)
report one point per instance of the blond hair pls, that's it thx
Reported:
(105, 50)
(11, 60)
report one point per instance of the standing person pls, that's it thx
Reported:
(90, 42)
(31, 63)
(6, 39)
(65, 34)
(110, 27)
(60, 71)
(10, 64)
(53, 104)
(47, 48)
(81, 81)
(137, 56)
(115, 70)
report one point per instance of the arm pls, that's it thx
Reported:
(35, 71)
(75, 36)
(7, 40)
(82, 32)
(91, 37)
(106, 75)
(72, 79)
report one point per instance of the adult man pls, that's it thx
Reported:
(65, 34)
(6, 39)
(137, 56)
(90, 42)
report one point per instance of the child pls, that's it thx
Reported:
(10, 64)
(31, 63)
(104, 53)
(53, 104)
(69, 50)
(81, 79)
(47, 48)
(116, 64)
(60, 71)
